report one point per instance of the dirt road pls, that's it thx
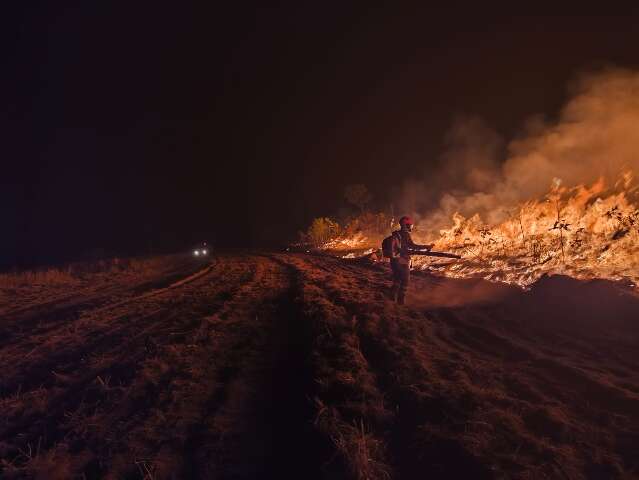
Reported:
(296, 366)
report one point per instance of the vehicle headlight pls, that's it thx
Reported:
(197, 252)
(204, 252)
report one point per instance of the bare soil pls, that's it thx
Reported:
(262, 365)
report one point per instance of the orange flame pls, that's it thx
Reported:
(584, 232)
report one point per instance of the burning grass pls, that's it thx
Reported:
(584, 232)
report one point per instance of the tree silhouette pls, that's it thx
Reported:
(358, 195)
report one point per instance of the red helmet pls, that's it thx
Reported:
(405, 220)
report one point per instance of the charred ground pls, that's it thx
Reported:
(260, 365)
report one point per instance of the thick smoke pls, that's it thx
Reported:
(597, 135)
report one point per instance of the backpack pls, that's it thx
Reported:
(391, 245)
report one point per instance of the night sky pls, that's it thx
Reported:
(136, 127)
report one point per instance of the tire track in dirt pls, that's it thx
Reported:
(121, 360)
(259, 424)
(184, 407)
(90, 322)
(244, 401)
(395, 362)
(161, 392)
(195, 369)
(46, 317)
(431, 382)
(350, 407)
(37, 298)
(280, 366)
(424, 406)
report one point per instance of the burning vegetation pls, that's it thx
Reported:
(584, 232)
(563, 200)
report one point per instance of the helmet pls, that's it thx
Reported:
(405, 221)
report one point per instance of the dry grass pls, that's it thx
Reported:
(350, 409)
(363, 450)
(52, 276)
(73, 273)
(523, 390)
(248, 368)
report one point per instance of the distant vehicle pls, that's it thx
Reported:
(201, 250)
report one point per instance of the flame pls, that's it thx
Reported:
(514, 229)
(584, 232)
(345, 243)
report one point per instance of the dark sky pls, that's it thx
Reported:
(134, 125)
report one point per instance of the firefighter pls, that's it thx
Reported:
(400, 264)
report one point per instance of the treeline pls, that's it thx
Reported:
(360, 224)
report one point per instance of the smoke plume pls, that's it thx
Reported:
(596, 136)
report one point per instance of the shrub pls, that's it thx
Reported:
(321, 231)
